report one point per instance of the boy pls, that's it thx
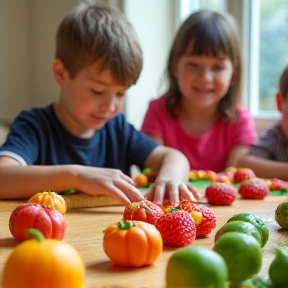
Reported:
(83, 140)
(269, 156)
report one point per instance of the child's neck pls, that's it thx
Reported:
(197, 121)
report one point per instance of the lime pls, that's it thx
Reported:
(195, 266)
(241, 227)
(281, 215)
(278, 269)
(242, 254)
(256, 221)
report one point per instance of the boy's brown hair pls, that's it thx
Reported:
(96, 33)
(207, 33)
(283, 83)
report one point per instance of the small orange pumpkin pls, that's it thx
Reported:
(132, 243)
(43, 263)
(51, 199)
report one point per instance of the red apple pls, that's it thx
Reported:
(50, 222)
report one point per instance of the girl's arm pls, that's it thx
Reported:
(235, 155)
(265, 168)
(172, 169)
(20, 182)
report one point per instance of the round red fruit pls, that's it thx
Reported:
(220, 194)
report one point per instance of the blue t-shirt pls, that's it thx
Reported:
(38, 138)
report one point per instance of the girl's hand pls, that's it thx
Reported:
(171, 189)
(104, 181)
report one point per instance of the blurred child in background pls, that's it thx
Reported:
(269, 156)
(200, 113)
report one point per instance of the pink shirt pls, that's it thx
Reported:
(208, 151)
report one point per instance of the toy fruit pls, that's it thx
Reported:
(30, 215)
(220, 194)
(177, 228)
(278, 184)
(281, 215)
(242, 174)
(196, 266)
(256, 221)
(143, 210)
(254, 189)
(40, 263)
(203, 216)
(242, 254)
(240, 227)
(141, 180)
(148, 172)
(51, 199)
(278, 269)
(132, 243)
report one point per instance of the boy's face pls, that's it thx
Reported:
(282, 105)
(88, 100)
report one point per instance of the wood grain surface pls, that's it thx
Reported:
(85, 233)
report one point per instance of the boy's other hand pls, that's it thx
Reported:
(110, 182)
(172, 190)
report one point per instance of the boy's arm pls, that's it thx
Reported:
(265, 168)
(172, 169)
(20, 182)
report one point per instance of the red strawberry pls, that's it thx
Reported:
(278, 184)
(208, 222)
(204, 217)
(143, 210)
(177, 228)
(220, 194)
(254, 189)
(243, 174)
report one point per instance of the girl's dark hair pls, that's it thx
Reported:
(283, 83)
(211, 33)
(93, 33)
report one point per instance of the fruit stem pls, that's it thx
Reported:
(123, 225)
(37, 235)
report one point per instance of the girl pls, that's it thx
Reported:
(199, 115)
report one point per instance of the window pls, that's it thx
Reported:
(268, 53)
(188, 6)
(263, 26)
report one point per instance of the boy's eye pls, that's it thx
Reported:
(120, 95)
(97, 92)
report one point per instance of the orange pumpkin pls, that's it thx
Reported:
(43, 263)
(132, 243)
(51, 199)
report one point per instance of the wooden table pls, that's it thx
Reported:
(85, 228)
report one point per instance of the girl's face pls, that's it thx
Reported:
(203, 80)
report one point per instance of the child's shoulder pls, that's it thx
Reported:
(243, 112)
(159, 102)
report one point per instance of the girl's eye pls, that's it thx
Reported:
(219, 67)
(192, 65)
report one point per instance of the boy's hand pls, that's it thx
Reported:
(173, 190)
(111, 182)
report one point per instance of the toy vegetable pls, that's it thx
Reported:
(40, 263)
(30, 215)
(51, 199)
(132, 243)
